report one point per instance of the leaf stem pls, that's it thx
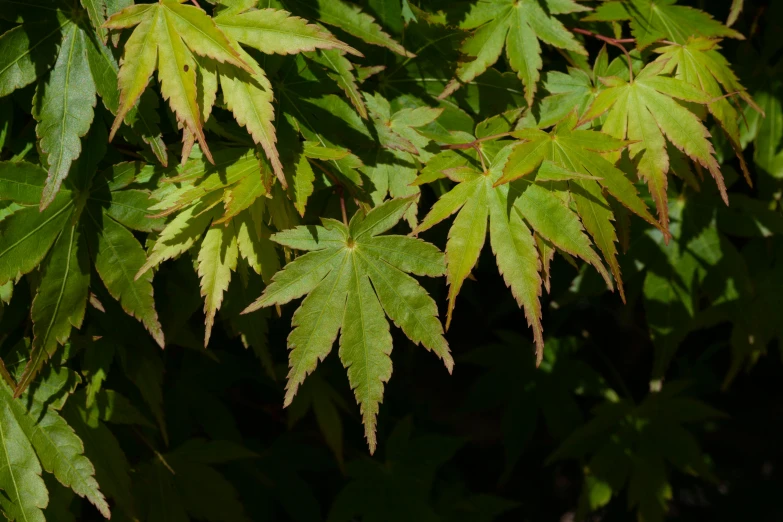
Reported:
(612, 41)
(341, 193)
(338, 186)
(195, 2)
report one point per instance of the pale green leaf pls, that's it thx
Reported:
(217, 258)
(365, 347)
(274, 31)
(519, 25)
(179, 236)
(353, 281)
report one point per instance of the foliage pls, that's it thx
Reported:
(146, 240)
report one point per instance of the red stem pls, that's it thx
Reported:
(612, 41)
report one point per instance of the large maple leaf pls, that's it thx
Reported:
(354, 278)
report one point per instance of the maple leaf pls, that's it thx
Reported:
(166, 36)
(512, 240)
(184, 483)
(532, 205)
(653, 20)
(573, 156)
(645, 111)
(34, 436)
(518, 25)
(699, 63)
(354, 278)
(623, 444)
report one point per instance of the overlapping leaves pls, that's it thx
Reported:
(86, 225)
(518, 26)
(547, 172)
(35, 437)
(646, 111)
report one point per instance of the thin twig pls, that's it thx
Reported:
(612, 41)
(149, 445)
(473, 144)
(195, 2)
(129, 152)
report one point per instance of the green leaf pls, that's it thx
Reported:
(646, 112)
(96, 10)
(736, 9)
(64, 108)
(60, 302)
(365, 347)
(24, 492)
(653, 20)
(29, 234)
(274, 31)
(250, 97)
(178, 236)
(131, 208)
(350, 19)
(699, 63)
(479, 201)
(769, 139)
(352, 285)
(26, 51)
(573, 156)
(341, 71)
(217, 258)
(118, 256)
(58, 448)
(303, 183)
(519, 25)
(21, 182)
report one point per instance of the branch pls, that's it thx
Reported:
(612, 41)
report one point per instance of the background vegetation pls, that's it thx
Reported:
(664, 407)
